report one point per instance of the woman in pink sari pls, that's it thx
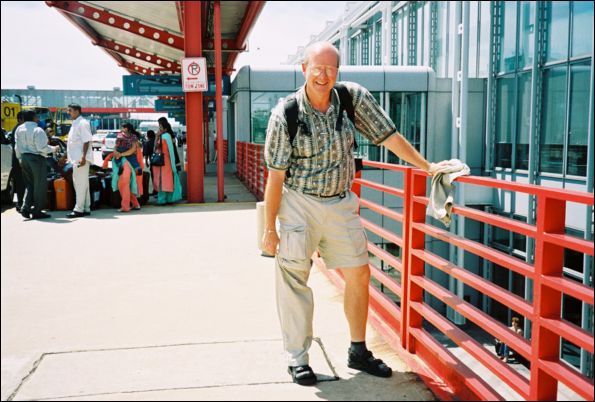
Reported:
(165, 177)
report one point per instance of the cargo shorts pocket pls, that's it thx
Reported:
(359, 239)
(292, 244)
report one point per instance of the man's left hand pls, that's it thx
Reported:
(83, 162)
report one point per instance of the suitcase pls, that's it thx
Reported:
(116, 200)
(106, 190)
(64, 195)
(145, 197)
(51, 194)
(184, 181)
(95, 190)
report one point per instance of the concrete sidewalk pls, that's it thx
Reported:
(169, 303)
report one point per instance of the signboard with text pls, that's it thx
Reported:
(194, 74)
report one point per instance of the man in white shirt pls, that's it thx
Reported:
(31, 148)
(80, 154)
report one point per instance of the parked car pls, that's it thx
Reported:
(98, 137)
(109, 142)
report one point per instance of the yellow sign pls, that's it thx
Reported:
(9, 115)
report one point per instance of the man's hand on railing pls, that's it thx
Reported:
(435, 167)
(270, 242)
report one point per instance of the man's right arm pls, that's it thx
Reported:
(272, 203)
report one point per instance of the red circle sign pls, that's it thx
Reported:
(193, 68)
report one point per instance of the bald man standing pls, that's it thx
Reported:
(308, 190)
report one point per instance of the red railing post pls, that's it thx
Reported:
(415, 185)
(547, 302)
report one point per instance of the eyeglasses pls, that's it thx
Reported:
(330, 71)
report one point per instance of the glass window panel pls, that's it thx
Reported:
(527, 36)
(378, 43)
(419, 36)
(394, 59)
(426, 61)
(353, 51)
(473, 19)
(261, 105)
(405, 38)
(441, 39)
(557, 30)
(504, 121)
(365, 41)
(579, 120)
(552, 120)
(484, 38)
(582, 27)
(508, 56)
(524, 121)
(501, 237)
(413, 122)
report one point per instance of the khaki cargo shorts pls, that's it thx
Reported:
(331, 225)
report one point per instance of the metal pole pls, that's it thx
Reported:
(219, 101)
(453, 286)
(460, 189)
(587, 316)
(194, 105)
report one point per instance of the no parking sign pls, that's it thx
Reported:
(194, 74)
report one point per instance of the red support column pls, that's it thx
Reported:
(219, 100)
(547, 302)
(194, 106)
(415, 212)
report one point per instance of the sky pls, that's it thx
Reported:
(41, 48)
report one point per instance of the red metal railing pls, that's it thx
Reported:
(251, 169)
(402, 326)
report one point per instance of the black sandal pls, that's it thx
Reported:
(366, 362)
(302, 375)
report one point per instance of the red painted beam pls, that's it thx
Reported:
(252, 12)
(90, 33)
(160, 62)
(98, 15)
(180, 12)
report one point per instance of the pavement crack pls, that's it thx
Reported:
(25, 378)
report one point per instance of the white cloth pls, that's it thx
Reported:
(79, 134)
(441, 197)
(31, 139)
(80, 178)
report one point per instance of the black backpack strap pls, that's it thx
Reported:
(291, 117)
(346, 104)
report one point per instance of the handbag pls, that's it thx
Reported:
(157, 159)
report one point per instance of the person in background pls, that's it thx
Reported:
(504, 350)
(80, 155)
(32, 149)
(126, 146)
(165, 178)
(149, 146)
(17, 171)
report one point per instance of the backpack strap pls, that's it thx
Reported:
(291, 116)
(345, 104)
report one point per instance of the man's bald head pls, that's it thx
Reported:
(321, 49)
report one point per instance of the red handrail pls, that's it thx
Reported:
(405, 321)
(251, 169)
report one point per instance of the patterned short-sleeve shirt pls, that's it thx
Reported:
(321, 161)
